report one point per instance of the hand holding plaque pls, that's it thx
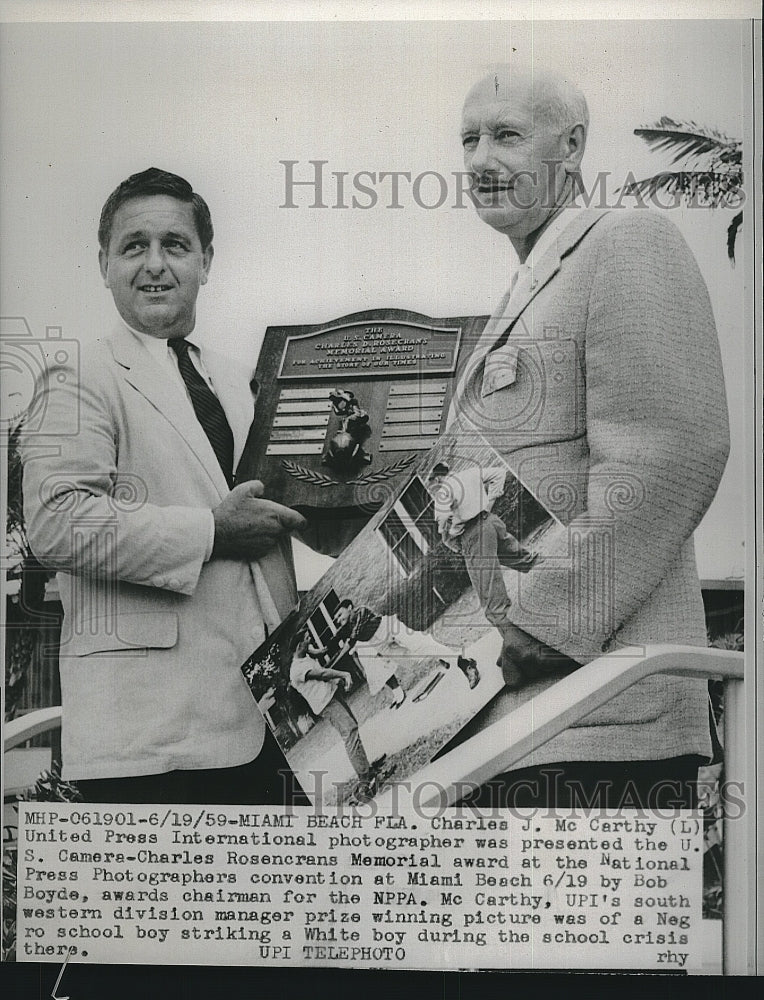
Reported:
(248, 526)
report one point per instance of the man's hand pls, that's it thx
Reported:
(524, 658)
(247, 526)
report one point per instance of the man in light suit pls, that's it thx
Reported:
(598, 379)
(170, 575)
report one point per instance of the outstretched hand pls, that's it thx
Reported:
(247, 526)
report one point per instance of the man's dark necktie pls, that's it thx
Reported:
(207, 407)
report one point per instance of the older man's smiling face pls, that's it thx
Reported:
(515, 158)
(155, 265)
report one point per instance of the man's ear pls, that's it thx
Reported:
(103, 263)
(575, 143)
(207, 256)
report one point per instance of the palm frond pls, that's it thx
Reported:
(732, 229)
(702, 187)
(688, 139)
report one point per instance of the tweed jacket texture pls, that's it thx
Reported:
(119, 482)
(606, 397)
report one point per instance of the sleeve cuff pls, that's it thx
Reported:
(210, 537)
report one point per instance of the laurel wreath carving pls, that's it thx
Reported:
(322, 481)
(308, 475)
(387, 473)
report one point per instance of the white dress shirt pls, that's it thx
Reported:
(318, 693)
(524, 272)
(465, 494)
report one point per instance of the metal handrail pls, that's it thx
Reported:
(25, 727)
(508, 734)
(511, 733)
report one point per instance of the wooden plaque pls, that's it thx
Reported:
(400, 367)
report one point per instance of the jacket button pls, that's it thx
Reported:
(159, 581)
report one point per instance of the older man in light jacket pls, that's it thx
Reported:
(598, 378)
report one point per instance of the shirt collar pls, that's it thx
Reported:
(157, 346)
(558, 224)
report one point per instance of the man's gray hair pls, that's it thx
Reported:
(559, 102)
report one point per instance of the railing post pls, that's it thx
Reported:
(736, 927)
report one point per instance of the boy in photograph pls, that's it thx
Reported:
(322, 689)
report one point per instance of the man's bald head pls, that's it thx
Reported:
(523, 134)
(556, 101)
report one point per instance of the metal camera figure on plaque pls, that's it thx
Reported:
(346, 408)
(345, 449)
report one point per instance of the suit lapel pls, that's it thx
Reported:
(277, 568)
(167, 397)
(512, 307)
(141, 372)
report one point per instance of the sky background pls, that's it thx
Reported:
(85, 105)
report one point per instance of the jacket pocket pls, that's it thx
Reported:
(535, 388)
(642, 703)
(122, 632)
(500, 368)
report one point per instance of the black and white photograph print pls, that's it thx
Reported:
(399, 644)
